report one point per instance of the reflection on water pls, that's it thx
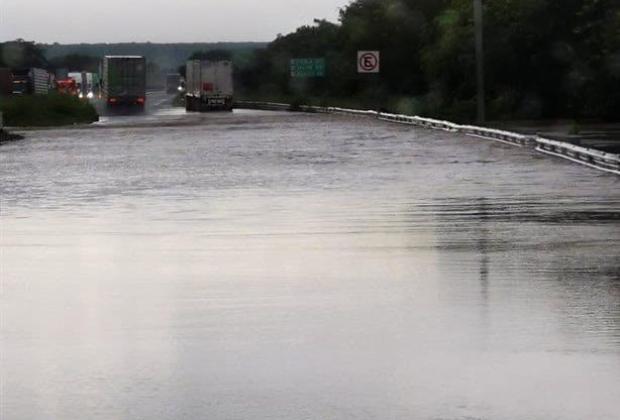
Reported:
(281, 266)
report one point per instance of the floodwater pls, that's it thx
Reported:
(279, 266)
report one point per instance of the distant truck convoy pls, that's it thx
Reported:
(209, 86)
(123, 81)
(32, 81)
(173, 82)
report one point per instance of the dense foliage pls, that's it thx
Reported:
(22, 54)
(76, 62)
(46, 110)
(543, 58)
(166, 56)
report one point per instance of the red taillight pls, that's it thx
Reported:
(140, 100)
(112, 100)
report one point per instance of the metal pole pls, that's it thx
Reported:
(478, 19)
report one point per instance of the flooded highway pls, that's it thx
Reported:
(260, 265)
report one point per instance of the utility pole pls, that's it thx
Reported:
(478, 20)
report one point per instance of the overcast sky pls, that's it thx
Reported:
(74, 21)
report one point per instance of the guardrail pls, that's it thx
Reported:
(487, 133)
(264, 106)
(596, 159)
(418, 121)
(357, 112)
(503, 136)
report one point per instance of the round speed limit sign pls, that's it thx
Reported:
(368, 61)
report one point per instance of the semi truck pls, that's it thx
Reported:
(67, 87)
(123, 82)
(86, 83)
(32, 81)
(209, 85)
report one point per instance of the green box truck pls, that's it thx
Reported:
(123, 82)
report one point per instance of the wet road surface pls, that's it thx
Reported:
(280, 266)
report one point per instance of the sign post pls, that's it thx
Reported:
(478, 19)
(368, 61)
(302, 68)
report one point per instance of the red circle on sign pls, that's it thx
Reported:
(369, 62)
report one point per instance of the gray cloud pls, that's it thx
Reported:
(157, 20)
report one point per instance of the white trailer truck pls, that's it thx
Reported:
(209, 85)
(32, 81)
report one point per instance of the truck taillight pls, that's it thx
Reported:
(112, 100)
(140, 100)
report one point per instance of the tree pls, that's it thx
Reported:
(543, 58)
(22, 54)
(214, 55)
(76, 62)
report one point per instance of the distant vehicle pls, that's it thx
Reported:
(123, 82)
(209, 86)
(86, 83)
(6, 82)
(67, 87)
(32, 81)
(173, 82)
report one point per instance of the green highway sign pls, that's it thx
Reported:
(307, 67)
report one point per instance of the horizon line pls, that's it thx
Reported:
(134, 42)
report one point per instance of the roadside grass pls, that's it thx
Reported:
(46, 110)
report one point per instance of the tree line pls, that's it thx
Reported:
(21, 54)
(543, 59)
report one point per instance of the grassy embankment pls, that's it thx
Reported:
(46, 111)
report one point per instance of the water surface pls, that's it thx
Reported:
(282, 266)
